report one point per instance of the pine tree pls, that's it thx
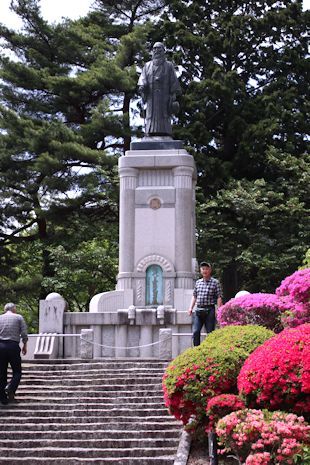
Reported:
(65, 116)
(59, 139)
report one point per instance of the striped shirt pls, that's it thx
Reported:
(207, 292)
(12, 327)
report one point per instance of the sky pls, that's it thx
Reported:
(52, 10)
(55, 10)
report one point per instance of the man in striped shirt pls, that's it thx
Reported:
(12, 329)
(207, 293)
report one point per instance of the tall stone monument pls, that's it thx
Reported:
(157, 205)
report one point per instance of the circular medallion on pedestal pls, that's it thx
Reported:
(155, 203)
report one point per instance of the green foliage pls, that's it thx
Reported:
(81, 273)
(243, 69)
(212, 368)
(84, 265)
(261, 227)
(243, 339)
(20, 280)
(67, 107)
(59, 143)
(306, 261)
(303, 458)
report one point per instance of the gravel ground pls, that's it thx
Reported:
(199, 456)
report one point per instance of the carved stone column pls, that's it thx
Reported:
(128, 183)
(183, 182)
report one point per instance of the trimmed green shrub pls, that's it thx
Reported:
(200, 373)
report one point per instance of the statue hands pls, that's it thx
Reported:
(174, 106)
(142, 110)
(143, 91)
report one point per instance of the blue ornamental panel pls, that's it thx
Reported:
(154, 285)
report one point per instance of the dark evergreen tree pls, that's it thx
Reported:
(60, 136)
(129, 25)
(244, 72)
(66, 114)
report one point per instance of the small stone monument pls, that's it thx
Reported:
(51, 313)
(51, 320)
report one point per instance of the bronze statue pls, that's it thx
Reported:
(159, 85)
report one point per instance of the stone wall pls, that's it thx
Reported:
(116, 332)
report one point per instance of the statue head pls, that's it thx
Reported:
(158, 50)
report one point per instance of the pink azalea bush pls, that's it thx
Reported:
(255, 309)
(277, 374)
(220, 406)
(288, 307)
(295, 292)
(257, 437)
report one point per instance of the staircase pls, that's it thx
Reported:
(107, 412)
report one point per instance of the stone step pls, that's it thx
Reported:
(80, 452)
(159, 460)
(93, 381)
(126, 425)
(98, 370)
(77, 406)
(92, 374)
(88, 403)
(105, 385)
(25, 394)
(81, 434)
(85, 419)
(39, 402)
(90, 394)
(95, 378)
(105, 413)
(98, 443)
(59, 364)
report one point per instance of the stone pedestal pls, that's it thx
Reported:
(87, 338)
(51, 322)
(157, 231)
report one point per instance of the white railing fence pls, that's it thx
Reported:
(50, 345)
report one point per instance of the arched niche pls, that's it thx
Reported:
(154, 288)
(154, 259)
(166, 271)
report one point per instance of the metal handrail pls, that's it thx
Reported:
(54, 334)
(80, 334)
(186, 334)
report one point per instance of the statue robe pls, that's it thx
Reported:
(159, 86)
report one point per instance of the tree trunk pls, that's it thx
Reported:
(126, 108)
(47, 269)
(230, 281)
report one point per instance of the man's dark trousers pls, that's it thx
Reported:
(203, 316)
(9, 354)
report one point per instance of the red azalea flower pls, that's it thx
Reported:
(277, 375)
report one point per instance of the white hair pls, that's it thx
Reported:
(9, 306)
(159, 44)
